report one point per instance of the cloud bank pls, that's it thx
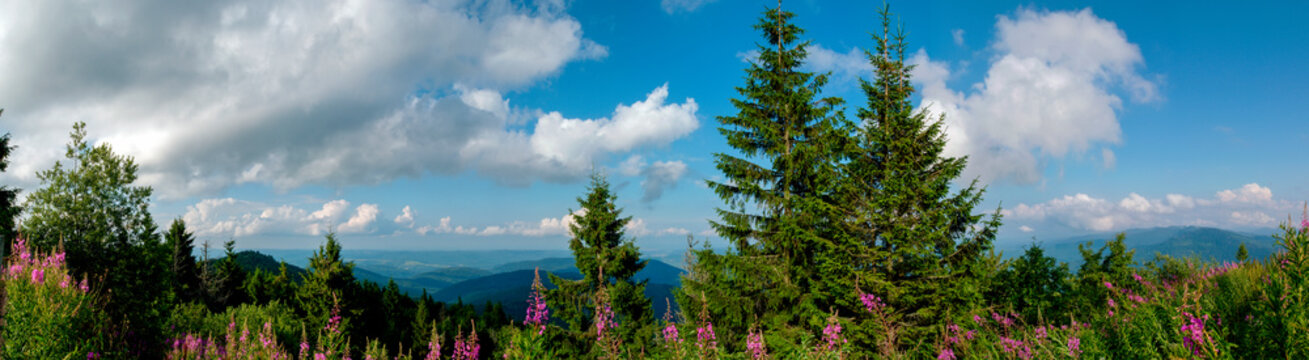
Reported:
(1248, 207)
(1050, 90)
(214, 94)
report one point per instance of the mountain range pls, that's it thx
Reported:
(1202, 243)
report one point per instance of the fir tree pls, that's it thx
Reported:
(915, 241)
(778, 188)
(605, 256)
(329, 282)
(186, 277)
(228, 290)
(1241, 253)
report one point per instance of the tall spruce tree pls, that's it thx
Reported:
(917, 243)
(605, 257)
(778, 189)
(329, 282)
(186, 276)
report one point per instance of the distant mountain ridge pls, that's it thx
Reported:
(1204, 243)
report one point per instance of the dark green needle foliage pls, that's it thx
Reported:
(186, 276)
(605, 257)
(916, 240)
(778, 187)
(1035, 286)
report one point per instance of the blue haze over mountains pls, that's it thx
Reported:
(505, 276)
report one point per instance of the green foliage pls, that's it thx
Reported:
(48, 313)
(185, 280)
(913, 240)
(1098, 268)
(1241, 253)
(606, 258)
(101, 220)
(226, 289)
(778, 189)
(329, 281)
(1035, 286)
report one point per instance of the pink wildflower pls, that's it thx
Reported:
(1074, 346)
(945, 354)
(754, 342)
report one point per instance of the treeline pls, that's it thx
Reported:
(847, 239)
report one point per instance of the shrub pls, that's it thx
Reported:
(48, 313)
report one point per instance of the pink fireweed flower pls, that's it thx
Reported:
(832, 335)
(670, 334)
(466, 349)
(871, 302)
(945, 354)
(1074, 346)
(604, 320)
(1192, 329)
(38, 276)
(1109, 285)
(1112, 304)
(705, 338)
(538, 313)
(754, 342)
(977, 319)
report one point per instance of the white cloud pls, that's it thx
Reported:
(229, 217)
(1108, 158)
(1250, 193)
(574, 143)
(1047, 93)
(637, 227)
(307, 92)
(364, 216)
(1026, 229)
(846, 68)
(958, 35)
(673, 6)
(544, 227)
(1243, 208)
(406, 217)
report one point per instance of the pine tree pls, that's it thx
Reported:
(329, 282)
(230, 280)
(916, 243)
(779, 187)
(186, 277)
(1241, 253)
(605, 256)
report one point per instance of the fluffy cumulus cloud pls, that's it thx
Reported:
(286, 93)
(240, 218)
(1250, 206)
(1050, 90)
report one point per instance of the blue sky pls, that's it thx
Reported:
(472, 125)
